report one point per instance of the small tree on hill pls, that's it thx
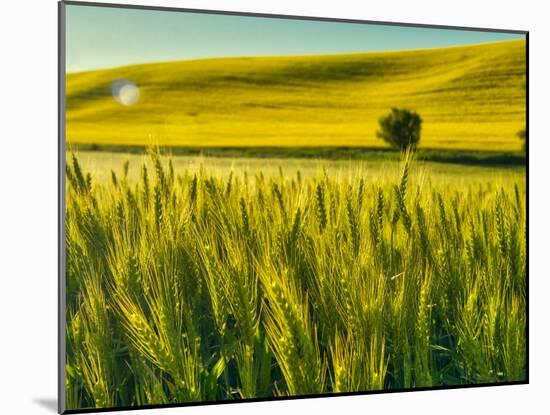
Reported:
(400, 128)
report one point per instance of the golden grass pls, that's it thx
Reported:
(470, 97)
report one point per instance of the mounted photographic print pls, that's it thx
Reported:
(258, 207)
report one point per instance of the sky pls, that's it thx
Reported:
(105, 37)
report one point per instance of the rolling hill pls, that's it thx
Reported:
(470, 97)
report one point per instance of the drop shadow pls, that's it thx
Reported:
(48, 403)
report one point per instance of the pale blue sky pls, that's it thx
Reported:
(103, 37)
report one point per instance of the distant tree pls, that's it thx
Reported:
(400, 128)
(522, 136)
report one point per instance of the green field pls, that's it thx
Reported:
(204, 279)
(470, 98)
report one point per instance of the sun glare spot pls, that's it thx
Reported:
(125, 92)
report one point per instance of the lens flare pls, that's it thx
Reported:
(125, 92)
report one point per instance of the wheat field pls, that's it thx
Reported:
(189, 285)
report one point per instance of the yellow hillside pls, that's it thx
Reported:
(470, 97)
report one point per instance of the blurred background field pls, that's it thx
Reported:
(470, 98)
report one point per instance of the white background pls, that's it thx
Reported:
(28, 204)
